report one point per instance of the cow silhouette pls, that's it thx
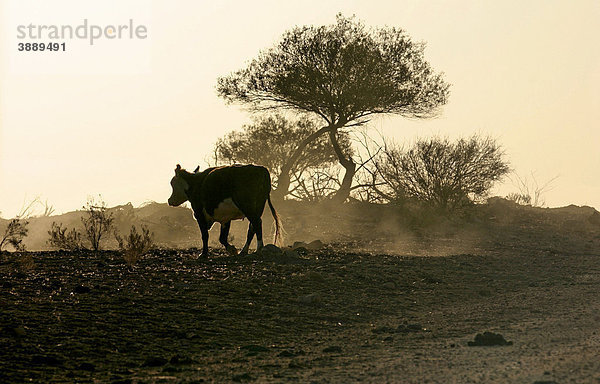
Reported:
(222, 194)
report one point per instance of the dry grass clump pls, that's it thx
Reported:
(135, 244)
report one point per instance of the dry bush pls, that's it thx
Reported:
(96, 221)
(15, 232)
(442, 174)
(135, 245)
(60, 238)
(530, 192)
(369, 186)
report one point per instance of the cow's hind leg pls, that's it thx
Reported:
(244, 250)
(223, 239)
(257, 226)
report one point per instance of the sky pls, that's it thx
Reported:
(115, 117)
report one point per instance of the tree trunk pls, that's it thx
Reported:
(349, 165)
(283, 180)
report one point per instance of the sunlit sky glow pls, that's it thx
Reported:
(116, 121)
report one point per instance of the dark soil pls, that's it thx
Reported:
(173, 317)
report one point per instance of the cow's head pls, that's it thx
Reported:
(180, 186)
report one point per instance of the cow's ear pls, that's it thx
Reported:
(197, 169)
(177, 168)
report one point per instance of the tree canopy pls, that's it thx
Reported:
(269, 140)
(342, 72)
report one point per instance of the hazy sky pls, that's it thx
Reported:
(116, 117)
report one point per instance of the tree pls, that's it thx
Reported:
(269, 142)
(343, 73)
(443, 174)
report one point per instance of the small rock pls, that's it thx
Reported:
(87, 367)
(181, 360)
(383, 329)
(312, 298)
(333, 349)
(18, 331)
(81, 289)
(315, 245)
(46, 360)
(242, 377)
(302, 251)
(389, 285)
(271, 250)
(286, 353)
(154, 362)
(299, 244)
(315, 276)
(488, 339)
(122, 381)
(414, 327)
(545, 382)
(291, 253)
(254, 348)
(402, 328)
(294, 364)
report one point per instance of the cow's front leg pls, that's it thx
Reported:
(204, 227)
(223, 239)
(204, 230)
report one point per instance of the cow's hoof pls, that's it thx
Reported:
(231, 250)
(243, 252)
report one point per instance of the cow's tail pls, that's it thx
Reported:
(278, 238)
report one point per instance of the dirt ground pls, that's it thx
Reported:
(352, 311)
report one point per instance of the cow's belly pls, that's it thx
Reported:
(225, 211)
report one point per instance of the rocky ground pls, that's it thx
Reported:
(349, 311)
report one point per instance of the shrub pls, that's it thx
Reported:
(15, 232)
(135, 245)
(530, 191)
(60, 238)
(96, 221)
(519, 198)
(442, 174)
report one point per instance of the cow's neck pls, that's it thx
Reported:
(194, 181)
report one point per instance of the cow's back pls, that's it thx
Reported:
(247, 185)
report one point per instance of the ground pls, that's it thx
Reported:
(341, 313)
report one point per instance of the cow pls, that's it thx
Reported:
(222, 194)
